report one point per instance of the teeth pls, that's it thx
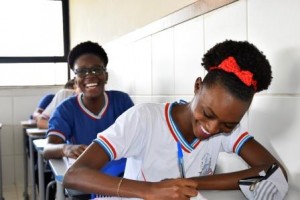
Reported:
(205, 131)
(91, 84)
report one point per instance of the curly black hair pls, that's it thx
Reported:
(86, 47)
(248, 57)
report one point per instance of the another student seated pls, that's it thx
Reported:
(77, 120)
(70, 89)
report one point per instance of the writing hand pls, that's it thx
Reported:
(175, 189)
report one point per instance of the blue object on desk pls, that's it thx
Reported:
(115, 167)
(180, 160)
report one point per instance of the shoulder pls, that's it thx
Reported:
(119, 97)
(148, 109)
(68, 101)
(116, 93)
(46, 98)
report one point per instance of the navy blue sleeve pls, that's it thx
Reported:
(45, 101)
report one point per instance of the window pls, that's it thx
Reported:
(34, 42)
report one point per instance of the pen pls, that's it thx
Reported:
(180, 160)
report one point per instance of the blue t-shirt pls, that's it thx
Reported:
(45, 101)
(74, 123)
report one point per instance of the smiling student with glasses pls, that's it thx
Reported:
(76, 121)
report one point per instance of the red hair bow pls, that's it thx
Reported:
(230, 65)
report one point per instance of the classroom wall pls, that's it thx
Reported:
(16, 105)
(104, 21)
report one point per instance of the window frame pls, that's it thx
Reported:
(49, 59)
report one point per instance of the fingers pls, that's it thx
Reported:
(76, 150)
(178, 188)
(189, 191)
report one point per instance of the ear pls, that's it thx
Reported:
(197, 86)
(106, 73)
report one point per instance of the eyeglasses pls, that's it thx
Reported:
(96, 70)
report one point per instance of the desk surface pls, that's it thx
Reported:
(59, 168)
(207, 194)
(28, 123)
(39, 143)
(36, 132)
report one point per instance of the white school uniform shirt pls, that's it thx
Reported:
(147, 136)
(59, 97)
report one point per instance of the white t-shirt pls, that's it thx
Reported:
(147, 136)
(57, 99)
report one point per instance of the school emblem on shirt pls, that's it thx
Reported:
(206, 165)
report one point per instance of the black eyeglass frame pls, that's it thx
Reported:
(95, 70)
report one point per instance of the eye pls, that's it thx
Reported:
(228, 128)
(81, 71)
(207, 115)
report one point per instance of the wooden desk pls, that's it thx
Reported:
(1, 189)
(26, 124)
(34, 133)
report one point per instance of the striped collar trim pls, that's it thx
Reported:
(89, 113)
(177, 135)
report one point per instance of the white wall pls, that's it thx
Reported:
(16, 105)
(103, 20)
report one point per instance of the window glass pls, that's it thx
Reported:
(31, 28)
(25, 74)
(32, 31)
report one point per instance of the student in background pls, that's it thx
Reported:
(150, 135)
(70, 89)
(43, 103)
(77, 120)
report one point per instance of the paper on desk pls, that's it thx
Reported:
(198, 197)
(69, 161)
(114, 198)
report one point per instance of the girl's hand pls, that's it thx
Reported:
(178, 189)
(73, 151)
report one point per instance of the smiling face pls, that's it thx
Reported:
(216, 111)
(92, 82)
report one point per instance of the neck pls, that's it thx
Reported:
(94, 104)
(182, 116)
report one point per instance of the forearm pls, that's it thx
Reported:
(53, 151)
(91, 181)
(227, 181)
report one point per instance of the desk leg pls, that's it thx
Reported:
(41, 176)
(32, 168)
(60, 191)
(25, 193)
(1, 191)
